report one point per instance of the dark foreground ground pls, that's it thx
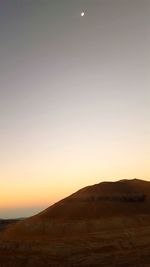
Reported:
(116, 247)
(5, 223)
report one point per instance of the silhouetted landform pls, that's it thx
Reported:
(4, 223)
(107, 224)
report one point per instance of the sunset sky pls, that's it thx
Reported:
(74, 98)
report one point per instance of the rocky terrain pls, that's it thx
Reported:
(107, 224)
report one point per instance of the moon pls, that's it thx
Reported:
(82, 14)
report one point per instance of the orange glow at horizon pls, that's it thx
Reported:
(44, 182)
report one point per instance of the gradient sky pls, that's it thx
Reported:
(74, 98)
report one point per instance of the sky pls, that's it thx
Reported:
(74, 98)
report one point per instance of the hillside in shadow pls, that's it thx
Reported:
(107, 224)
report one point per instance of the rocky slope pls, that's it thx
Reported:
(107, 224)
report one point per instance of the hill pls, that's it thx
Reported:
(103, 224)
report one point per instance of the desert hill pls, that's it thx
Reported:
(124, 197)
(106, 224)
(97, 205)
